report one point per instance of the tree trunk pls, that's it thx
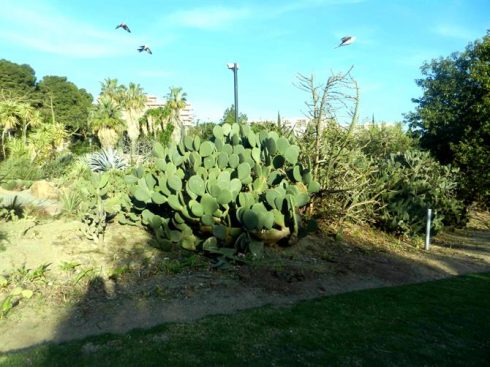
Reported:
(107, 137)
(3, 144)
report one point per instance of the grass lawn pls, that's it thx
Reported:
(443, 323)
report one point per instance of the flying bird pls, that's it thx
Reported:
(124, 26)
(144, 48)
(347, 40)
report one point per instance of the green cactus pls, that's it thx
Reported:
(239, 190)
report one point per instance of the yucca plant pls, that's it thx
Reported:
(11, 208)
(106, 160)
(71, 200)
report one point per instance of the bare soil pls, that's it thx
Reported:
(123, 283)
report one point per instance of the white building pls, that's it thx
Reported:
(186, 114)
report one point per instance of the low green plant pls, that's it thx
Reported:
(94, 223)
(69, 266)
(70, 200)
(23, 275)
(84, 273)
(11, 208)
(106, 160)
(21, 168)
(231, 194)
(119, 271)
(13, 299)
(79, 171)
(6, 306)
(84, 146)
(104, 197)
(58, 166)
(39, 273)
(171, 266)
(415, 182)
(183, 263)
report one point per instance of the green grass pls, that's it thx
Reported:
(442, 323)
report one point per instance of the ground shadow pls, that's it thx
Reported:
(152, 291)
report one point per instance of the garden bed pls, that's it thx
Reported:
(81, 288)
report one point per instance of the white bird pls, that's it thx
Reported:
(144, 48)
(347, 40)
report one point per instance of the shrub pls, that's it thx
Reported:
(347, 177)
(58, 166)
(21, 168)
(79, 147)
(379, 141)
(235, 192)
(415, 182)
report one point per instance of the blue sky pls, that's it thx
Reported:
(271, 40)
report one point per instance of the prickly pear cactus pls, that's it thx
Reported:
(100, 205)
(235, 192)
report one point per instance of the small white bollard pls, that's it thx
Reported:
(427, 232)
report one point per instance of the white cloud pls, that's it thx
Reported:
(455, 31)
(46, 30)
(218, 17)
(306, 4)
(210, 18)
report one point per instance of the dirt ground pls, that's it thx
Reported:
(122, 283)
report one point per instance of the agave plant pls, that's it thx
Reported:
(106, 160)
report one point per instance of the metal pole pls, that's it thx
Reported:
(427, 232)
(235, 70)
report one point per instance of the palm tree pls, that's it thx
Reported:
(176, 101)
(110, 88)
(46, 140)
(106, 120)
(133, 102)
(155, 120)
(14, 114)
(29, 117)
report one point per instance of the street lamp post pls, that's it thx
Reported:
(234, 67)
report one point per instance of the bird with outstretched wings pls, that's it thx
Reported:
(124, 26)
(347, 40)
(144, 48)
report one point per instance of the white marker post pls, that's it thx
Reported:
(427, 232)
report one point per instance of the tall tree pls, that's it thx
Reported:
(111, 88)
(229, 116)
(452, 118)
(17, 116)
(133, 101)
(17, 81)
(106, 121)
(155, 120)
(176, 101)
(63, 102)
